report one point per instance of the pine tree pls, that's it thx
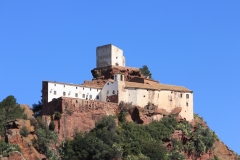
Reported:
(145, 71)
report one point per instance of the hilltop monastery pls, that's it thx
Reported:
(114, 82)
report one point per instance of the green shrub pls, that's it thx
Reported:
(5, 148)
(24, 131)
(57, 115)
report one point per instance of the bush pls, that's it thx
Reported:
(5, 148)
(57, 115)
(24, 131)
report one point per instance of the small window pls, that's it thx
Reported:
(90, 89)
(187, 104)
(121, 77)
(107, 83)
(76, 87)
(55, 92)
(97, 97)
(90, 96)
(143, 95)
(54, 84)
(83, 88)
(116, 57)
(187, 96)
(181, 95)
(83, 96)
(64, 93)
(97, 90)
(64, 86)
(76, 94)
(107, 91)
(113, 92)
(129, 94)
(116, 64)
(115, 77)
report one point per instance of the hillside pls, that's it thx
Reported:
(130, 134)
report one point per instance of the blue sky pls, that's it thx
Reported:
(190, 43)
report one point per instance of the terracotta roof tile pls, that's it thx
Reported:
(157, 86)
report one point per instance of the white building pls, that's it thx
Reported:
(51, 90)
(139, 91)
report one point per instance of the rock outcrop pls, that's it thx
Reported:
(25, 143)
(27, 110)
(109, 71)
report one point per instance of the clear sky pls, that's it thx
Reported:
(195, 44)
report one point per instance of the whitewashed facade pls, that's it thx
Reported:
(56, 90)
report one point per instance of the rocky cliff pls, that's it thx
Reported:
(82, 116)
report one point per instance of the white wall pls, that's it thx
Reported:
(71, 91)
(172, 99)
(132, 96)
(117, 57)
(108, 89)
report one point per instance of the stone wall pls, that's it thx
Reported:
(77, 115)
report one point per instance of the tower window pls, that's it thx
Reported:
(97, 97)
(64, 93)
(187, 96)
(187, 104)
(121, 77)
(83, 96)
(55, 92)
(113, 92)
(76, 87)
(76, 95)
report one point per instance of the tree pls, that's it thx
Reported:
(37, 108)
(9, 110)
(145, 71)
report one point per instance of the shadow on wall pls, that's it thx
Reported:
(135, 116)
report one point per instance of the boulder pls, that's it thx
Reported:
(27, 110)
(161, 111)
(176, 110)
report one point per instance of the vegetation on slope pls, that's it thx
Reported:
(129, 140)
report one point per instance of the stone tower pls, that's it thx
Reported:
(109, 55)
